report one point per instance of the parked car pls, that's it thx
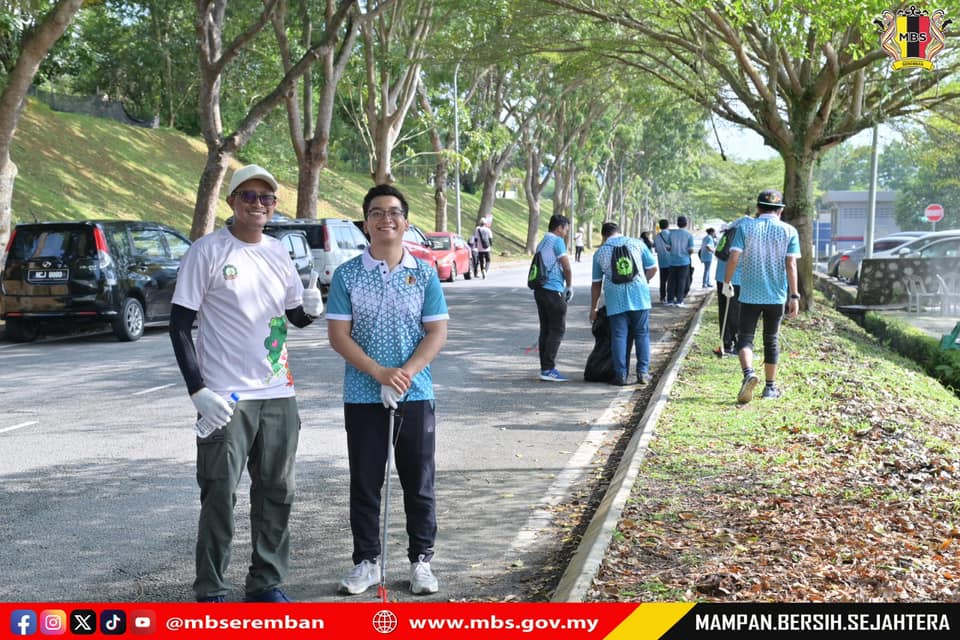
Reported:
(916, 244)
(848, 266)
(942, 248)
(452, 254)
(333, 241)
(117, 272)
(295, 242)
(834, 261)
(414, 241)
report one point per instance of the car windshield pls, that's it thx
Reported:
(441, 242)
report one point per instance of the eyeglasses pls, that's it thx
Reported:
(379, 214)
(251, 197)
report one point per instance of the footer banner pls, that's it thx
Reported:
(467, 621)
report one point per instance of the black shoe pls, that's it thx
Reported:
(620, 382)
(273, 594)
(212, 599)
(770, 393)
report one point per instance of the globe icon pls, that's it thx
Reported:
(385, 621)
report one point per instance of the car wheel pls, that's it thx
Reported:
(453, 272)
(129, 326)
(21, 330)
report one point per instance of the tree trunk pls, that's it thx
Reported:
(489, 176)
(532, 195)
(308, 187)
(36, 44)
(208, 191)
(585, 221)
(798, 195)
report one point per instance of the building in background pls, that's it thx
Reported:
(848, 217)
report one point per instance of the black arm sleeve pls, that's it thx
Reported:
(181, 326)
(298, 318)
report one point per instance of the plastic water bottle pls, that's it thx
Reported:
(203, 428)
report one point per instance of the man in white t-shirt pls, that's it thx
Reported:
(242, 288)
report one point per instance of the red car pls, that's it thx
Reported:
(451, 253)
(414, 242)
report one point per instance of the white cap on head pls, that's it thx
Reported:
(251, 172)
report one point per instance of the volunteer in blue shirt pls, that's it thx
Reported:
(553, 297)
(681, 248)
(387, 317)
(768, 250)
(628, 303)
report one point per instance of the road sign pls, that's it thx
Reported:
(934, 212)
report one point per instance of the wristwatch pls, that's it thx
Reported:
(794, 296)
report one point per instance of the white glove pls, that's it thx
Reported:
(312, 300)
(212, 407)
(728, 289)
(389, 396)
(568, 295)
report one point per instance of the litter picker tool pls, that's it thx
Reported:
(723, 327)
(391, 437)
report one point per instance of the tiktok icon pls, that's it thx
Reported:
(113, 622)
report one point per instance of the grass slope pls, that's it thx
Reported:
(80, 167)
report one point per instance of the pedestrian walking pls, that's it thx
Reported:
(387, 317)
(243, 289)
(483, 241)
(578, 243)
(661, 243)
(768, 249)
(707, 248)
(645, 237)
(627, 303)
(554, 296)
(729, 321)
(681, 248)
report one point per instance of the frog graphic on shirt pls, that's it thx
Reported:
(276, 344)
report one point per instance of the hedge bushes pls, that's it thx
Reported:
(917, 346)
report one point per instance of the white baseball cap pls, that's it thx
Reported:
(251, 172)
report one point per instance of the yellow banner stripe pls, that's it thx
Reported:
(650, 621)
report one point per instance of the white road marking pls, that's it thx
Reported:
(19, 426)
(152, 389)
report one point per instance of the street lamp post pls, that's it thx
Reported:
(456, 140)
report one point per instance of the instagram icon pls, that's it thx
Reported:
(53, 622)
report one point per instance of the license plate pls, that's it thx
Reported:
(48, 275)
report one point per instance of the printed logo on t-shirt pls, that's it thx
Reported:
(229, 272)
(411, 280)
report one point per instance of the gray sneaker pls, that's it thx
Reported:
(422, 580)
(750, 381)
(361, 577)
(770, 393)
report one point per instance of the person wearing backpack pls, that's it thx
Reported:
(729, 321)
(483, 241)
(707, 247)
(661, 243)
(553, 296)
(769, 250)
(681, 248)
(616, 272)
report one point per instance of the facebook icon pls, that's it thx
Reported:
(23, 622)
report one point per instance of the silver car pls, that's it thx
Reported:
(848, 265)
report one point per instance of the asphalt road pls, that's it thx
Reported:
(98, 500)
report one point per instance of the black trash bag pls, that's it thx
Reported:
(600, 361)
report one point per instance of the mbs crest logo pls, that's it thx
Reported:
(912, 37)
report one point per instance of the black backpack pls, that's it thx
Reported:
(722, 252)
(623, 268)
(484, 239)
(537, 276)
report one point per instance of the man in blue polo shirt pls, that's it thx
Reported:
(628, 303)
(387, 317)
(768, 250)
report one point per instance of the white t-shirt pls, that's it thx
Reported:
(241, 292)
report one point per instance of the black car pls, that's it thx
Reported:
(66, 273)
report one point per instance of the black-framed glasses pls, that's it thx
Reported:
(251, 197)
(379, 214)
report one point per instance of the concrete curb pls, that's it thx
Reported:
(585, 564)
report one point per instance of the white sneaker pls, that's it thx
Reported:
(361, 577)
(422, 580)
